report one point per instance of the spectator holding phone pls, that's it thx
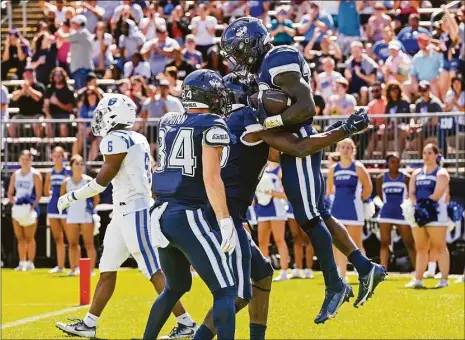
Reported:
(203, 29)
(44, 59)
(315, 19)
(15, 53)
(282, 29)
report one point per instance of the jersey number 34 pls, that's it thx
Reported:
(182, 154)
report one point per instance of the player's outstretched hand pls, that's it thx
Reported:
(357, 122)
(64, 201)
(228, 235)
(333, 126)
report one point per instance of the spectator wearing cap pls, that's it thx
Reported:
(326, 80)
(427, 103)
(190, 52)
(381, 48)
(360, 72)
(58, 9)
(341, 103)
(92, 11)
(44, 59)
(101, 52)
(315, 19)
(184, 68)
(398, 64)
(258, 9)
(15, 53)
(159, 51)
(148, 24)
(348, 24)
(377, 22)
(29, 100)
(59, 102)
(130, 41)
(137, 66)
(158, 103)
(81, 50)
(134, 8)
(203, 29)
(427, 65)
(178, 25)
(408, 36)
(282, 29)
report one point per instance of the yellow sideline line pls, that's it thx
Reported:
(41, 316)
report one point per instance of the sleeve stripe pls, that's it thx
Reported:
(125, 137)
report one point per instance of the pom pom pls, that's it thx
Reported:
(96, 218)
(455, 211)
(24, 215)
(327, 203)
(369, 209)
(408, 210)
(426, 211)
(263, 188)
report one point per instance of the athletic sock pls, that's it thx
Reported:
(323, 245)
(257, 331)
(91, 320)
(432, 268)
(185, 320)
(203, 333)
(224, 312)
(360, 262)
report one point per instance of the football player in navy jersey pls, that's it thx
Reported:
(188, 177)
(246, 41)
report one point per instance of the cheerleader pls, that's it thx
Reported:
(392, 189)
(79, 218)
(300, 240)
(271, 216)
(350, 183)
(431, 181)
(52, 186)
(24, 193)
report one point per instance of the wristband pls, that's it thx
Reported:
(272, 122)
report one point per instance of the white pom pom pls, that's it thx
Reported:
(263, 188)
(408, 210)
(450, 225)
(369, 209)
(96, 218)
(24, 215)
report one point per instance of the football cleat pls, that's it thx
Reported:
(181, 332)
(333, 301)
(368, 284)
(77, 328)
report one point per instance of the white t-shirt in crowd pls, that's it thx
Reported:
(59, 15)
(142, 69)
(203, 37)
(328, 83)
(152, 24)
(331, 7)
(449, 96)
(96, 45)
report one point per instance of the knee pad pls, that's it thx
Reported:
(311, 223)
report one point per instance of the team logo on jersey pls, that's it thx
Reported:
(241, 31)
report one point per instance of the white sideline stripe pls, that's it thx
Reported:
(41, 316)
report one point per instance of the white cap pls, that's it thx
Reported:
(395, 45)
(79, 19)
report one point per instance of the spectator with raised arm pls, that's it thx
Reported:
(348, 24)
(328, 48)
(149, 23)
(408, 36)
(282, 29)
(130, 41)
(44, 59)
(29, 100)
(58, 9)
(203, 29)
(92, 11)
(101, 49)
(191, 53)
(178, 25)
(377, 22)
(133, 7)
(360, 72)
(59, 102)
(15, 53)
(315, 19)
(63, 46)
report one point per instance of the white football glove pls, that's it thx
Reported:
(228, 235)
(64, 201)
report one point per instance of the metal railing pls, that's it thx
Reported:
(402, 133)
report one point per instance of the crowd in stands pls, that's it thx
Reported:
(372, 53)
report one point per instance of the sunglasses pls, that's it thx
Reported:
(58, 75)
(375, 90)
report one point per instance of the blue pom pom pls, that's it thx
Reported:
(327, 203)
(426, 211)
(455, 211)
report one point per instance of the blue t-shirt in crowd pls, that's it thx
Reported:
(348, 18)
(324, 17)
(256, 7)
(87, 112)
(193, 57)
(381, 50)
(408, 37)
(282, 37)
(427, 67)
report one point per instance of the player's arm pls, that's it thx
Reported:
(379, 186)
(214, 185)
(295, 86)
(442, 185)
(11, 189)
(38, 188)
(365, 180)
(47, 184)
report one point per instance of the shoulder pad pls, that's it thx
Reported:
(216, 136)
(116, 142)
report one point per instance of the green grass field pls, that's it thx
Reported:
(394, 313)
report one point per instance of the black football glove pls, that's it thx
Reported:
(356, 123)
(334, 126)
(261, 113)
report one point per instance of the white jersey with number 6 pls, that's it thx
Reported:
(133, 183)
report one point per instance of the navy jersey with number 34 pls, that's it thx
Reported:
(278, 60)
(180, 140)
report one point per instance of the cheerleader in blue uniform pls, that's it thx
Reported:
(300, 240)
(52, 186)
(79, 218)
(392, 188)
(272, 216)
(25, 189)
(350, 183)
(431, 181)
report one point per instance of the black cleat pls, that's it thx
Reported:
(368, 284)
(333, 301)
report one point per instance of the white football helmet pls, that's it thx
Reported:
(113, 109)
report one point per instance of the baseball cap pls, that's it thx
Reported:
(161, 28)
(343, 81)
(28, 68)
(190, 37)
(395, 45)
(164, 82)
(14, 32)
(424, 84)
(79, 19)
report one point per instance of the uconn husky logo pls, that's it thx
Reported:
(112, 101)
(241, 32)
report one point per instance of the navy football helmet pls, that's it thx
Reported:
(245, 42)
(239, 90)
(204, 89)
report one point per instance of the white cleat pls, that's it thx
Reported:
(438, 275)
(429, 275)
(416, 284)
(29, 266)
(77, 328)
(308, 274)
(181, 332)
(21, 266)
(282, 276)
(56, 270)
(442, 284)
(461, 279)
(296, 274)
(74, 272)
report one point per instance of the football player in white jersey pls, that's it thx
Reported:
(127, 167)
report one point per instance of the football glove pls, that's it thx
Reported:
(228, 235)
(356, 123)
(65, 201)
(334, 126)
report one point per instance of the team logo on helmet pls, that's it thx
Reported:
(241, 31)
(215, 83)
